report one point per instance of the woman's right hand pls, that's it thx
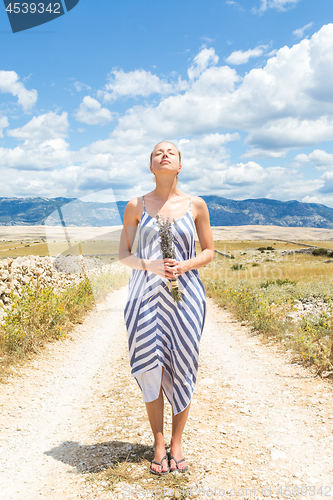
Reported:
(156, 267)
(159, 267)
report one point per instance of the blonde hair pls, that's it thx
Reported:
(179, 153)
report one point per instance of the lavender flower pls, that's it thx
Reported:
(168, 251)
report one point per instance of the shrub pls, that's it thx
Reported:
(236, 267)
(266, 310)
(279, 282)
(320, 251)
(262, 249)
(39, 314)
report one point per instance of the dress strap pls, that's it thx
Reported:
(190, 203)
(143, 201)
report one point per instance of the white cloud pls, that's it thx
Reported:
(44, 145)
(203, 154)
(30, 183)
(36, 155)
(249, 180)
(202, 61)
(79, 86)
(9, 83)
(327, 188)
(43, 127)
(289, 132)
(280, 5)
(319, 158)
(322, 199)
(286, 104)
(4, 123)
(234, 4)
(92, 113)
(264, 153)
(135, 83)
(299, 33)
(240, 57)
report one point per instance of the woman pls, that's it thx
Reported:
(163, 334)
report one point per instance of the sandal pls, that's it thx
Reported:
(180, 469)
(160, 464)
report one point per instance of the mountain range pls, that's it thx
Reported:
(223, 212)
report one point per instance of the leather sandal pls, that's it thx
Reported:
(162, 472)
(180, 469)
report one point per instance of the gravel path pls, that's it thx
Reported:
(258, 421)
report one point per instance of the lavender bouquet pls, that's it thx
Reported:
(168, 251)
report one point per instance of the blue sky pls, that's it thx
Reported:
(243, 88)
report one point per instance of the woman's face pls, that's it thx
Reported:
(165, 157)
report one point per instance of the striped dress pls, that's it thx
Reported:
(162, 332)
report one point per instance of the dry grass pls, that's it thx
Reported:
(299, 267)
(17, 249)
(42, 249)
(262, 287)
(230, 245)
(40, 315)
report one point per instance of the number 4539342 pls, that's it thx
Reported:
(33, 8)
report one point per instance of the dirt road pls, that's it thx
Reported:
(258, 422)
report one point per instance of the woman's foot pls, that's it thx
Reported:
(159, 455)
(177, 462)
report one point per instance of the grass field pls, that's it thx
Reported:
(264, 264)
(287, 298)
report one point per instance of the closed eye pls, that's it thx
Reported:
(172, 151)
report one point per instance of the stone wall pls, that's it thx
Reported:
(53, 272)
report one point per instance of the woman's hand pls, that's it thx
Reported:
(166, 268)
(174, 268)
(156, 266)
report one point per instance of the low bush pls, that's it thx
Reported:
(262, 249)
(236, 267)
(39, 314)
(278, 282)
(322, 251)
(268, 308)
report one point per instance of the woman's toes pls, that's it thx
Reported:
(156, 468)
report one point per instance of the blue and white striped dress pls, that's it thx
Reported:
(162, 332)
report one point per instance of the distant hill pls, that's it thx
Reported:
(223, 212)
(267, 212)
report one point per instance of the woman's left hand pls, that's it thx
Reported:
(173, 268)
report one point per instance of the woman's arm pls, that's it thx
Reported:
(205, 235)
(127, 237)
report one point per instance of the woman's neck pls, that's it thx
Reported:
(166, 188)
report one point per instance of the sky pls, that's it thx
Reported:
(243, 88)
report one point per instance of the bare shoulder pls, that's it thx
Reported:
(198, 202)
(199, 207)
(133, 210)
